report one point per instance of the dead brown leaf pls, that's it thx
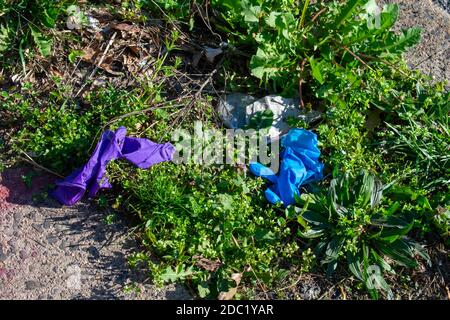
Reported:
(101, 15)
(228, 295)
(207, 264)
(130, 28)
(55, 72)
(88, 54)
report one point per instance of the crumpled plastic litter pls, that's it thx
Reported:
(299, 166)
(141, 152)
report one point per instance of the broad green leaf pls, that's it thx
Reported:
(264, 235)
(50, 15)
(400, 43)
(420, 250)
(316, 72)
(395, 232)
(74, 54)
(312, 233)
(377, 282)
(179, 273)
(4, 38)
(347, 10)
(333, 249)
(354, 264)
(388, 18)
(203, 289)
(259, 72)
(252, 13)
(44, 44)
(399, 251)
(292, 211)
(331, 268)
(377, 194)
(381, 262)
(271, 19)
(315, 218)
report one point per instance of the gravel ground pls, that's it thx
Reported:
(432, 54)
(52, 252)
(445, 4)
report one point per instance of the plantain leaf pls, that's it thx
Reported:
(315, 218)
(44, 44)
(354, 264)
(395, 232)
(312, 233)
(4, 38)
(333, 249)
(399, 251)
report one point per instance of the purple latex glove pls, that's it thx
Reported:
(143, 153)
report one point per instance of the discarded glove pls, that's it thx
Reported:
(143, 153)
(299, 165)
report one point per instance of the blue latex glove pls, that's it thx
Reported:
(299, 165)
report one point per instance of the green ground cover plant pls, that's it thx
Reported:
(25, 24)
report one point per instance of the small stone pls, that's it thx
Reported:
(100, 237)
(41, 297)
(17, 216)
(52, 239)
(93, 251)
(38, 227)
(23, 254)
(3, 255)
(63, 245)
(33, 215)
(12, 245)
(47, 224)
(10, 274)
(32, 285)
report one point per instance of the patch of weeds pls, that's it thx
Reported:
(55, 133)
(40, 197)
(205, 224)
(353, 223)
(25, 23)
(110, 219)
(28, 179)
(132, 288)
